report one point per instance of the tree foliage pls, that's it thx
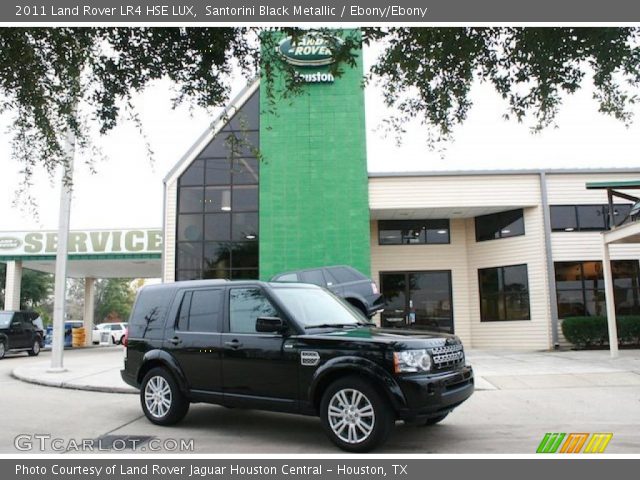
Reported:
(424, 73)
(114, 299)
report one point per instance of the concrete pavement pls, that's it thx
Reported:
(500, 420)
(494, 370)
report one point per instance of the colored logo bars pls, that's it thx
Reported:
(573, 442)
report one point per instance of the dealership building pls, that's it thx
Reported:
(280, 183)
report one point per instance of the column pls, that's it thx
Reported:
(12, 285)
(611, 304)
(89, 303)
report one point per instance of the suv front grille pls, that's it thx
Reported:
(448, 356)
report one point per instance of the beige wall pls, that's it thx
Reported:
(169, 255)
(389, 258)
(464, 256)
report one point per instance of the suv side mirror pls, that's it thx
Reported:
(269, 325)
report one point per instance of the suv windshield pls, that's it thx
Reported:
(5, 319)
(316, 308)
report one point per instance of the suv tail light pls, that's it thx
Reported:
(125, 338)
(374, 288)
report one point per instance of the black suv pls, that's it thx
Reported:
(288, 347)
(18, 333)
(345, 281)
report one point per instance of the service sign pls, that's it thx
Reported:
(310, 50)
(98, 242)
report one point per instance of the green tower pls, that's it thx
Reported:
(314, 207)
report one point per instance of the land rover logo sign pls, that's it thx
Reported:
(308, 51)
(9, 243)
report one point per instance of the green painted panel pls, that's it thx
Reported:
(313, 179)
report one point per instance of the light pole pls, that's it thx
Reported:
(60, 287)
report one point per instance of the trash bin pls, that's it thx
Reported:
(78, 337)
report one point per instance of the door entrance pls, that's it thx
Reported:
(419, 300)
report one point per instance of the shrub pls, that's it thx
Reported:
(593, 331)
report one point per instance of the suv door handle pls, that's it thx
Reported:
(234, 344)
(175, 341)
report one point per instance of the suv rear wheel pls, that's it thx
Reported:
(162, 401)
(3, 350)
(35, 349)
(355, 416)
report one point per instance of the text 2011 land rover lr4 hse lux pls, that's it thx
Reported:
(288, 347)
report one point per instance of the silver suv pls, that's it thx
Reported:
(345, 281)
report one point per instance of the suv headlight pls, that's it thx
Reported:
(411, 361)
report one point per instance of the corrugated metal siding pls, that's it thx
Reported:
(575, 246)
(569, 189)
(390, 258)
(527, 249)
(169, 256)
(434, 192)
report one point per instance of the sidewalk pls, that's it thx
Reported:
(99, 370)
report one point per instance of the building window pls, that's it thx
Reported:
(413, 232)
(586, 218)
(500, 225)
(504, 293)
(217, 222)
(580, 288)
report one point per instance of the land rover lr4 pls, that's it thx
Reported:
(292, 348)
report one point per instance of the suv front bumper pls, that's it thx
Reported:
(435, 394)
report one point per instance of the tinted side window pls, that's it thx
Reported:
(147, 318)
(344, 275)
(204, 311)
(314, 277)
(245, 306)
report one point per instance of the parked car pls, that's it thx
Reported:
(288, 347)
(345, 281)
(115, 332)
(18, 333)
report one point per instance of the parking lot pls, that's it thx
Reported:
(520, 397)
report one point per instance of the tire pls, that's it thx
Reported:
(173, 405)
(369, 417)
(35, 349)
(113, 340)
(3, 350)
(430, 421)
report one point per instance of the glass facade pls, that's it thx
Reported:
(413, 232)
(421, 300)
(499, 225)
(217, 228)
(586, 218)
(504, 293)
(580, 288)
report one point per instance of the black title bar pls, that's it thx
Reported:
(312, 11)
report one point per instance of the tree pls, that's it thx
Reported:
(424, 72)
(114, 299)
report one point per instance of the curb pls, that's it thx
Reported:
(73, 386)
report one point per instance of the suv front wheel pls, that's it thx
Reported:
(162, 401)
(355, 416)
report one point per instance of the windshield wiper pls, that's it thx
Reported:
(333, 325)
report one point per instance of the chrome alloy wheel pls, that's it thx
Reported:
(36, 347)
(351, 416)
(2, 351)
(157, 396)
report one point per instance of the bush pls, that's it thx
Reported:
(593, 331)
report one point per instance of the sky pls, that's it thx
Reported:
(126, 190)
